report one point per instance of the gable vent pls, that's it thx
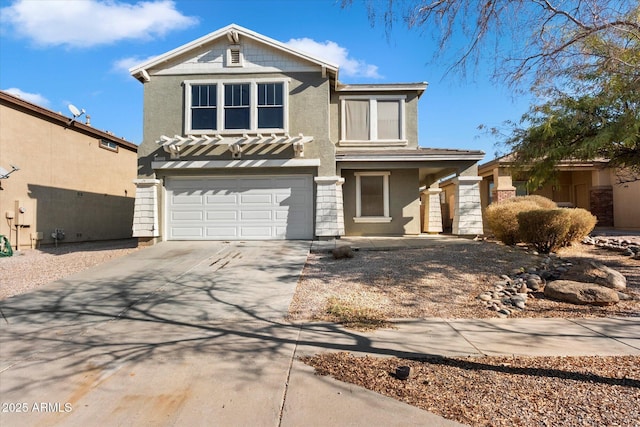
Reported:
(234, 56)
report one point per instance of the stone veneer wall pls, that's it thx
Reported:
(145, 213)
(329, 206)
(601, 205)
(467, 219)
(500, 195)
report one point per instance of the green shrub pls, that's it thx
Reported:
(545, 229)
(581, 224)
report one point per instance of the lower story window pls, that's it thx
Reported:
(372, 197)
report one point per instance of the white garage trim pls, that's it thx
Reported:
(259, 207)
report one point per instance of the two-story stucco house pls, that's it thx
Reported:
(247, 138)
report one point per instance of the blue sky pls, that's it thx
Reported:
(55, 53)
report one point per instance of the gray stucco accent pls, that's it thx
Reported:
(308, 115)
(404, 206)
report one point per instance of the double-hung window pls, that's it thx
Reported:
(372, 197)
(372, 120)
(233, 107)
(203, 107)
(237, 110)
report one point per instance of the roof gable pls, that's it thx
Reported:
(208, 53)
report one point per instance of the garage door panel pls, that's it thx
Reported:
(257, 207)
(221, 199)
(222, 216)
(186, 199)
(256, 232)
(186, 215)
(186, 232)
(256, 199)
(221, 232)
(260, 215)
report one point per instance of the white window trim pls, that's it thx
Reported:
(253, 115)
(385, 196)
(373, 121)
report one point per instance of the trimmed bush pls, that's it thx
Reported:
(502, 218)
(541, 201)
(545, 229)
(582, 223)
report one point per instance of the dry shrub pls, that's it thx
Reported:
(354, 315)
(581, 224)
(502, 219)
(541, 201)
(545, 229)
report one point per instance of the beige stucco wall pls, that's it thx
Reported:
(404, 206)
(308, 114)
(65, 181)
(626, 204)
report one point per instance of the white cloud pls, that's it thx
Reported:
(123, 65)
(92, 22)
(336, 54)
(35, 98)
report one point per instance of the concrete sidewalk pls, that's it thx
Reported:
(480, 337)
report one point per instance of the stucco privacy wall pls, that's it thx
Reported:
(66, 180)
(404, 206)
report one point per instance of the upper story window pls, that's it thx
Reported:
(236, 107)
(373, 120)
(109, 145)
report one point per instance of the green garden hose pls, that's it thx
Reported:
(5, 246)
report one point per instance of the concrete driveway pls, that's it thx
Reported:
(181, 333)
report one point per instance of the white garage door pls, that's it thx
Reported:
(240, 208)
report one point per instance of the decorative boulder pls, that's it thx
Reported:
(609, 277)
(581, 293)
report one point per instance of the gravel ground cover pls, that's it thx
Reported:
(445, 281)
(29, 269)
(503, 391)
(442, 281)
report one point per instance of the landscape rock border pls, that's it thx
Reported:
(512, 292)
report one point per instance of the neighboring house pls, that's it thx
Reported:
(591, 185)
(72, 178)
(247, 138)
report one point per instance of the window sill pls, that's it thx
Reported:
(371, 219)
(386, 143)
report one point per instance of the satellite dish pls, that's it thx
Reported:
(4, 174)
(76, 113)
(74, 110)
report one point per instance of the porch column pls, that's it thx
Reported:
(329, 206)
(601, 197)
(433, 212)
(145, 213)
(467, 217)
(503, 188)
